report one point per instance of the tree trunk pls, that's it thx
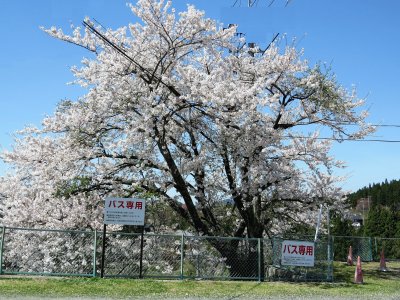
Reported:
(244, 258)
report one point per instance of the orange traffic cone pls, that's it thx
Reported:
(350, 257)
(358, 276)
(382, 265)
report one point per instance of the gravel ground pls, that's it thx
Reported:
(239, 297)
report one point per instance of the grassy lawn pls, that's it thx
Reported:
(377, 283)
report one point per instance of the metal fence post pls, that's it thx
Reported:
(182, 254)
(370, 249)
(94, 252)
(2, 249)
(259, 258)
(330, 259)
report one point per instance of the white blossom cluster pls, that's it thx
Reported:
(26, 251)
(174, 110)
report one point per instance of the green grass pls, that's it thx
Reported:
(381, 284)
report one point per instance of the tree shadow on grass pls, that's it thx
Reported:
(345, 274)
(390, 274)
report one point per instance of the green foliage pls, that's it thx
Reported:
(300, 229)
(162, 217)
(70, 187)
(327, 96)
(383, 219)
(386, 193)
(341, 227)
(382, 222)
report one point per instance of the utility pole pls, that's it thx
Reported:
(363, 208)
(330, 246)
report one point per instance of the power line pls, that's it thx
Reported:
(375, 125)
(386, 125)
(342, 139)
(356, 124)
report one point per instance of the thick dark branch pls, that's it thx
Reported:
(156, 67)
(199, 178)
(103, 186)
(269, 184)
(134, 160)
(201, 132)
(181, 147)
(237, 198)
(180, 183)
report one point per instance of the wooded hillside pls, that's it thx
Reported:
(386, 193)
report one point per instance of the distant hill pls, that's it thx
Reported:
(379, 204)
(386, 194)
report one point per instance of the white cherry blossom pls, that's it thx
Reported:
(174, 109)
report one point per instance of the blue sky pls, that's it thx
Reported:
(360, 39)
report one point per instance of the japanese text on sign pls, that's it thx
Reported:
(298, 253)
(124, 211)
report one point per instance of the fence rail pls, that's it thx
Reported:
(78, 253)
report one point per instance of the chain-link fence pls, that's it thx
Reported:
(64, 252)
(361, 246)
(2, 229)
(390, 247)
(53, 252)
(222, 258)
(121, 256)
(161, 255)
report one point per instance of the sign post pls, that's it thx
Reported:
(103, 251)
(318, 223)
(123, 211)
(141, 255)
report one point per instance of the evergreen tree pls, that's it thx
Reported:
(386, 193)
(340, 227)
